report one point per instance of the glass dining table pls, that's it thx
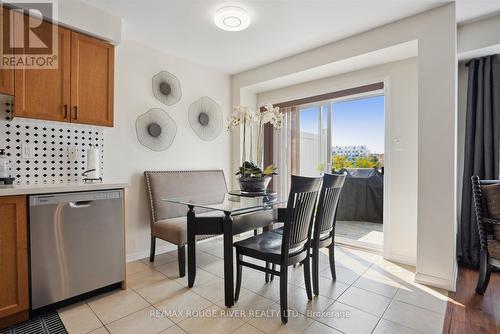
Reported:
(228, 214)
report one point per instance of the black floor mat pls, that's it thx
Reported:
(49, 323)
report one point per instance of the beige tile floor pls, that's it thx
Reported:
(370, 295)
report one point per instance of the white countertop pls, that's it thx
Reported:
(58, 188)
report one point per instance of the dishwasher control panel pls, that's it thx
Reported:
(74, 197)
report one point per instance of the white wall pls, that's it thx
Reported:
(435, 31)
(90, 20)
(479, 38)
(401, 98)
(126, 159)
(462, 111)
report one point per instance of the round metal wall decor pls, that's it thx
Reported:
(205, 118)
(167, 88)
(155, 129)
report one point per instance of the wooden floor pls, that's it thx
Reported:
(470, 313)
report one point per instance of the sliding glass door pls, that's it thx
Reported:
(358, 148)
(339, 135)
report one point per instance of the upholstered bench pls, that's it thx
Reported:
(169, 221)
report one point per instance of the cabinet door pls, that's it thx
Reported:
(13, 256)
(45, 93)
(6, 75)
(92, 82)
(7, 82)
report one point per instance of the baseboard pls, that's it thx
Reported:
(358, 244)
(437, 282)
(164, 249)
(144, 254)
(403, 259)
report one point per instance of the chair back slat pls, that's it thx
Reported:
(328, 203)
(301, 203)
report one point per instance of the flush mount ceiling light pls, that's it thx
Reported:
(232, 18)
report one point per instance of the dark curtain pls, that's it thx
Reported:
(482, 135)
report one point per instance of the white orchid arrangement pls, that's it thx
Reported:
(243, 116)
(240, 115)
(270, 114)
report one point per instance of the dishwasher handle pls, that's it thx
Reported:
(80, 204)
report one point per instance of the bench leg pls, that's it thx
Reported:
(153, 248)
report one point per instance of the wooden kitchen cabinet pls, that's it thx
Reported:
(14, 300)
(92, 80)
(6, 75)
(79, 90)
(45, 93)
(7, 82)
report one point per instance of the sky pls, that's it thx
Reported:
(355, 122)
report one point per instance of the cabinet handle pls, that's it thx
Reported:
(76, 112)
(65, 111)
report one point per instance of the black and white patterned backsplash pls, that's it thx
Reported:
(50, 140)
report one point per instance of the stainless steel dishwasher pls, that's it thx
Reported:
(77, 244)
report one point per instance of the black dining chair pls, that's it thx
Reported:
(488, 228)
(286, 249)
(324, 224)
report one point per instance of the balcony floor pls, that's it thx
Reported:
(360, 232)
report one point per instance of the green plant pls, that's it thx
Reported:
(341, 161)
(363, 162)
(250, 169)
(367, 162)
